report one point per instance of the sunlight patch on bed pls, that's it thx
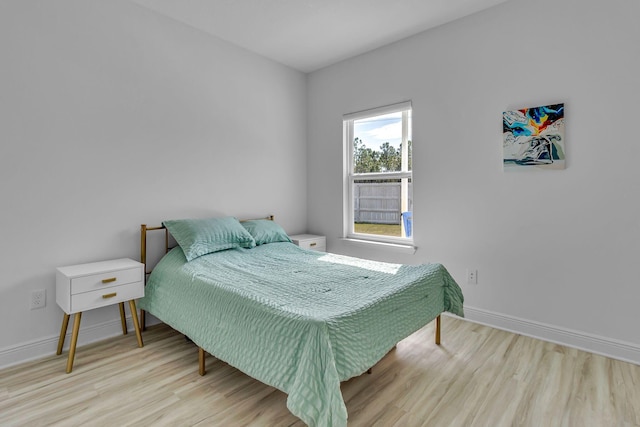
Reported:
(380, 267)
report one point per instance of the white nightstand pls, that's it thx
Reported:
(310, 241)
(87, 286)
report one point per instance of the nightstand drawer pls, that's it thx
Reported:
(105, 280)
(107, 296)
(97, 276)
(310, 241)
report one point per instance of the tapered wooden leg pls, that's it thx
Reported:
(123, 318)
(136, 325)
(438, 330)
(63, 332)
(201, 355)
(74, 341)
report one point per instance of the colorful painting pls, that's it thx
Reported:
(534, 138)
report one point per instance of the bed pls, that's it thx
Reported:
(301, 321)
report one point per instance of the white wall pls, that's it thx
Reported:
(556, 251)
(112, 116)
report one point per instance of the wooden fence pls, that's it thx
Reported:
(378, 203)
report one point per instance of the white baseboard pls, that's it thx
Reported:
(48, 346)
(608, 347)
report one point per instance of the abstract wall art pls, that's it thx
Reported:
(533, 138)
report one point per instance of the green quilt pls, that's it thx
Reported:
(301, 321)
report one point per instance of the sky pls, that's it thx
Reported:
(375, 131)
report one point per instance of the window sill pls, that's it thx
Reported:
(395, 247)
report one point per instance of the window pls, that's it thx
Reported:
(378, 175)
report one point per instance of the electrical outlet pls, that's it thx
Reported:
(472, 277)
(38, 298)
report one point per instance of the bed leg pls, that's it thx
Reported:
(438, 330)
(143, 321)
(201, 356)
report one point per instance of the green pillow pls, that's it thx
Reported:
(265, 231)
(199, 237)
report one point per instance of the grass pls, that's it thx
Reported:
(379, 229)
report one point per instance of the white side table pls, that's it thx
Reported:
(87, 286)
(310, 241)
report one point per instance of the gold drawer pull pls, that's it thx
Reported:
(313, 244)
(109, 280)
(111, 295)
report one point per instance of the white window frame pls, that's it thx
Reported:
(350, 177)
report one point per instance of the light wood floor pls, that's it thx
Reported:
(478, 377)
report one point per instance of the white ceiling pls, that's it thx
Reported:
(310, 34)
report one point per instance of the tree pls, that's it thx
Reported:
(388, 159)
(365, 159)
